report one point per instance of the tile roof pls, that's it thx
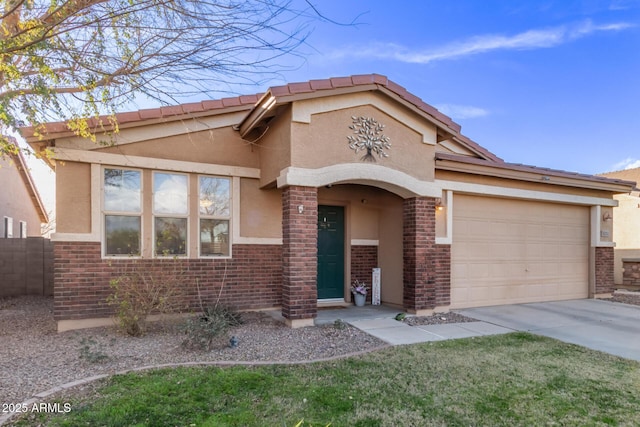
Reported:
(533, 169)
(248, 101)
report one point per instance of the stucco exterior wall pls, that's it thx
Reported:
(275, 148)
(323, 142)
(15, 201)
(73, 197)
(221, 146)
(260, 210)
(390, 258)
(626, 232)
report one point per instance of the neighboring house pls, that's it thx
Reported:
(21, 210)
(626, 229)
(282, 199)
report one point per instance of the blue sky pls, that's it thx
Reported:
(546, 83)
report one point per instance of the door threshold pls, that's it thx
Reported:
(332, 302)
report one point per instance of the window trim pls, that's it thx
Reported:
(8, 227)
(104, 213)
(228, 218)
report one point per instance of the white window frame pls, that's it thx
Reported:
(8, 227)
(105, 213)
(169, 215)
(23, 229)
(228, 218)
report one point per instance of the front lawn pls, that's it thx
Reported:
(517, 379)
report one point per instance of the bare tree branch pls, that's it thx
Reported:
(82, 58)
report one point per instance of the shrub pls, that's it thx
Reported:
(142, 291)
(91, 351)
(209, 328)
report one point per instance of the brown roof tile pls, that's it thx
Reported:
(194, 107)
(231, 102)
(337, 82)
(248, 99)
(363, 79)
(320, 84)
(280, 90)
(303, 87)
(149, 113)
(132, 116)
(212, 104)
(528, 168)
(288, 90)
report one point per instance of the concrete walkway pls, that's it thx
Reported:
(606, 326)
(379, 321)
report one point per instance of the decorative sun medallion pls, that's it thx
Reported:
(367, 136)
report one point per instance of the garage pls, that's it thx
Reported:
(508, 251)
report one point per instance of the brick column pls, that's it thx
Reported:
(443, 275)
(299, 255)
(419, 235)
(604, 270)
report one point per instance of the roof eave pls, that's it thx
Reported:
(533, 174)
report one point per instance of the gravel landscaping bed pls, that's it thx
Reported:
(437, 319)
(35, 358)
(626, 297)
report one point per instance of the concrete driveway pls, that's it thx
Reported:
(600, 325)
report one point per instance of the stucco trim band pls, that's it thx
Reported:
(516, 193)
(360, 173)
(72, 155)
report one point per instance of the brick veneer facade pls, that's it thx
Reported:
(363, 260)
(299, 252)
(604, 270)
(418, 236)
(443, 275)
(252, 279)
(631, 272)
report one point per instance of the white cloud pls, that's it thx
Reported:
(628, 163)
(531, 39)
(461, 111)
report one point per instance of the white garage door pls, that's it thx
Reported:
(507, 251)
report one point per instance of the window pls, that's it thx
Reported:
(23, 229)
(122, 211)
(214, 205)
(170, 209)
(8, 227)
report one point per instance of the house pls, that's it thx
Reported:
(626, 231)
(280, 200)
(25, 264)
(21, 209)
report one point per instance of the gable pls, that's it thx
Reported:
(19, 198)
(324, 141)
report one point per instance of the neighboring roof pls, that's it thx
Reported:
(23, 170)
(278, 95)
(628, 174)
(446, 161)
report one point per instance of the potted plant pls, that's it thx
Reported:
(359, 290)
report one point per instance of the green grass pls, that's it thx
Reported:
(508, 380)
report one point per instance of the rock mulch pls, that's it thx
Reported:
(625, 297)
(35, 358)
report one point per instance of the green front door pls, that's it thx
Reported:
(330, 252)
